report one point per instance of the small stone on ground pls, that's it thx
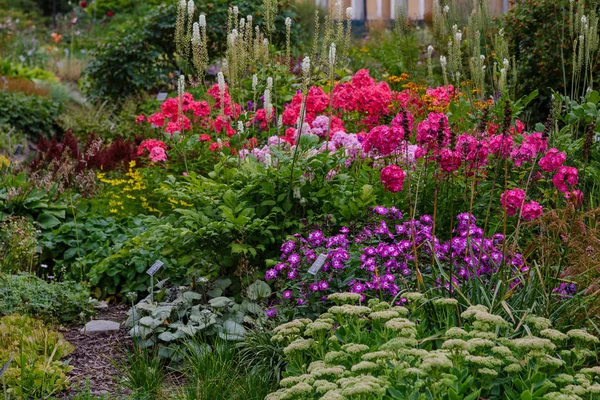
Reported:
(99, 326)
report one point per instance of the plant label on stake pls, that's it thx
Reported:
(318, 264)
(151, 271)
(162, 96)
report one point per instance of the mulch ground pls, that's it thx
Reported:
(94, 355)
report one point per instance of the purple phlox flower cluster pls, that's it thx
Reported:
(379, 259)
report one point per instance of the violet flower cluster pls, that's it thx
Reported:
(379, 259)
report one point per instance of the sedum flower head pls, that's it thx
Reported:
(455, 332)
(299, 345)
(316, 327)
(539, 323)
(436, 361)
(354, 348)
(553, 334)
(334, 357)
(583, 336)
(445, 302)
(364, 366)
(348, 309)
(414, 297)
(384, 315)
(344, 298)
(322, 386)
(378, 355)
(455, 345)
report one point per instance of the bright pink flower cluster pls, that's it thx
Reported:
(155, 148)
(441, 95)
(531, 211)
(512, 200)
(553, 160)
(365, 96)
(433, 133)
(317, 103)
(392, 178)
(566, 178)
(170, 118)
(472, 151)
(501, 145)
(529, 149)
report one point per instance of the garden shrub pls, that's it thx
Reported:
(32, 115)
(36, 371)
(430, 350)
(139, 60)
(539, 34)
(63, 302)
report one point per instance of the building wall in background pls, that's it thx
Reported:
(417, 9)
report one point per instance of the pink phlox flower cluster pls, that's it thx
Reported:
(501, 145)
(155, 148)
(230, 109)
(429, 131)
(529, 149)
(565, 178)
(531, 211)
(553, 160)
(575, 197)
(222, 122)
(512, 200)
(392, 178)
(317, 103)
(441, 95)
(401, 121)
(363, 95)
(472, 151)
(381, 140)
(449, 160)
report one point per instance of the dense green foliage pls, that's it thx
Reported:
(64, 302)
(541, 38)
(31, 115)
(139, 60)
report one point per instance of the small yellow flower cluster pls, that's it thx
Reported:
(130, 188)
(4, 162)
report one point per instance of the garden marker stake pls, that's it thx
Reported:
(151, 271)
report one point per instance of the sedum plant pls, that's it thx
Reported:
(36, 370)
(355, 351)
(170, 318)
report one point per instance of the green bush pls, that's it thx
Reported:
(36, 371)
(139, 60)
(540, 38)
(31, 115)
(428, 350)
(142, 57)
(63, 302)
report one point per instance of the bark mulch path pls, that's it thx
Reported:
(94, 372)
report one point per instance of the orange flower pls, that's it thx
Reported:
(57, 37)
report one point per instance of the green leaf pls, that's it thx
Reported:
(526, 395)
(47, 220)
(396, 394)
(259, 290)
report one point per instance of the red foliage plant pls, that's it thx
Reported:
(94, 154)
